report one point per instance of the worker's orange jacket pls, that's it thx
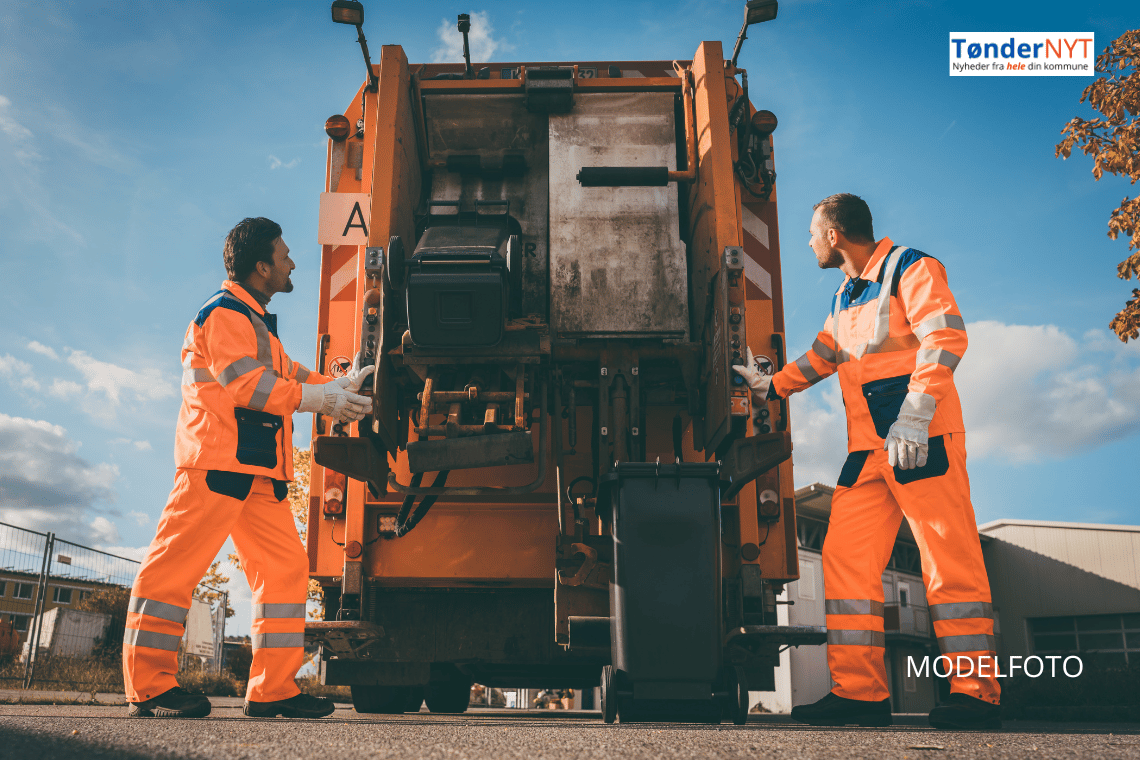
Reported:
(893, 329)
(239, 390)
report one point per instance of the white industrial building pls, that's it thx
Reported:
(1058, 588)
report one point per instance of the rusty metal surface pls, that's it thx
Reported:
(493, 127)
(617, 262)
(344, 638)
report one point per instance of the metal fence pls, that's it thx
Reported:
(63, 610)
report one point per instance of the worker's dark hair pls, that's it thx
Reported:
(249, 242)
(848, 214)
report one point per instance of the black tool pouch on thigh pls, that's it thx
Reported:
(884, 400)
(257, 437)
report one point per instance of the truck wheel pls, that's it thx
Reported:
(384, 700)
(609, 695)
(450, 696)
(415, 699)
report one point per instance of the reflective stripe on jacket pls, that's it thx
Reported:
(239, 390)
(894, 329)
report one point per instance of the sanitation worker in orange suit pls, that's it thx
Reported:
(894, 335)
(233, 453)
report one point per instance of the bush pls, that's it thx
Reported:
(211, 684)
(312, 685)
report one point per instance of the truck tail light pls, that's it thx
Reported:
(333, 496)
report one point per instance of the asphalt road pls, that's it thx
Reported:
(58, 732)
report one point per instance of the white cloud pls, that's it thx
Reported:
(1033, 392)
(481, 39)
(819, 434)
(1029, 393)
(277, 163)
(130, 552)
(65, 389)
(18, 373)
(40, 348)
(140, 445)
(45, 485)
(140, 518)
(20, 160)
(108, 384)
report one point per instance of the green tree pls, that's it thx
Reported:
(1113, 141)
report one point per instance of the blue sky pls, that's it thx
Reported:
(134, 135)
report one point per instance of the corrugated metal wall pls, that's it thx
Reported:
(1041, 569)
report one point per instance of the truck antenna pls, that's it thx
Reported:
(464, 28)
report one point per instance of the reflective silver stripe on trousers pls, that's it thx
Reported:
(810, 374)
(938, 356)
(981, 642)
(162, 610)
(961, 611)
(150, 640)
(278, 640)
(823, 351)
(853, 607)
(857, 638)
(263, 611)
(941, 322)
(264, 387)
(242, 366)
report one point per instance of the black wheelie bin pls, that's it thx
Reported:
(666, 629)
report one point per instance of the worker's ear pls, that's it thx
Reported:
(833, 237)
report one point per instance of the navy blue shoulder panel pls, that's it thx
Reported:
(911, 257)
(227, 301)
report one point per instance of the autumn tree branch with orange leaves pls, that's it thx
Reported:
(1113, 141)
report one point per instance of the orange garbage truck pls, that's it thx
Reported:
(563, 484)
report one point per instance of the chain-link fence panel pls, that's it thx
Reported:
(63, 611)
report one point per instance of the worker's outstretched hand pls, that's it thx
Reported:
(355, 378)
(907, 441)
(760, 383)
(333, 400)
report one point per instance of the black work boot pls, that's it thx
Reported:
(964, 711)
(300, 706)
(834, 710)
(176, 703)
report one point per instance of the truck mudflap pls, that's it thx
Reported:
(350, 639)
(784, 635)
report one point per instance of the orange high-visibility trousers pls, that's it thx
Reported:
(205, 507)
(866, 510)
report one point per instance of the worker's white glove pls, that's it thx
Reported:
(906, 442)
(333, 400)
(355, 378)
(759, 382)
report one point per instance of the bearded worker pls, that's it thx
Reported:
(894, 335)
(234, 457)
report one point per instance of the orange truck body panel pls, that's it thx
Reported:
(510, 541)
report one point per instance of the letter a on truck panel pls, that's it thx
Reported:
(344, 219)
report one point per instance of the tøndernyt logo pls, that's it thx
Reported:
(1026, 54)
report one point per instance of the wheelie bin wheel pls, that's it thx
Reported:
(609, 695)
(738, 696)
